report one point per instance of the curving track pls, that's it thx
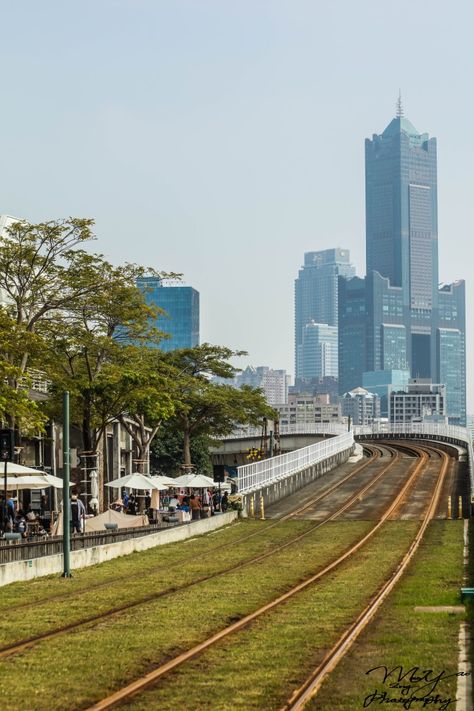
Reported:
(392, 486)
(416, 472)
(28, 642)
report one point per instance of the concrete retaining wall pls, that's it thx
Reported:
(288, 486)
(47, 565)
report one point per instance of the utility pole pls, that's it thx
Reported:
(66, 473)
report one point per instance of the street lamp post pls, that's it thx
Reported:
(66, 472)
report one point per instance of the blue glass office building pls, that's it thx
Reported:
(411, 323)
(181, 318)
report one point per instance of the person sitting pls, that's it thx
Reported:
(31, 516)
(117, 505)
(19, 523)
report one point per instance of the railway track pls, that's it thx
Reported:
(375, 453)
(127, 692)
(28, 642)
(310, 687)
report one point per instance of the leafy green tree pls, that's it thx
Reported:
(98, 351)
(207, 408)
(43, 270)
(17, 408)
(166, 451)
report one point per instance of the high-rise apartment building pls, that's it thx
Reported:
(274, 383)
(180, 319)
(316, 296)
(398, 318)
(317, 354)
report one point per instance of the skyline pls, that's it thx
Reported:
(228, 142)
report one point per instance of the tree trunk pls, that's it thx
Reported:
(187, 448)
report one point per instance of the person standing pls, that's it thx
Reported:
(225, 502)
(195, 507)
(78, 513)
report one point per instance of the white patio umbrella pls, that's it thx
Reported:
(52, 480)
(136, 481)
(165, 480)
(195, 481)
(17, 469)
(25, 482)
(94, 501)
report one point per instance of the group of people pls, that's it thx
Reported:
(16, 520)
(210, 501)
(128, 504)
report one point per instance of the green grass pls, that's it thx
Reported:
(140, 579)
(71, 671)
(399, 635)
(256, 668)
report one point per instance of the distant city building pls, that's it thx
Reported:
(470, 426)
(418, 401)
(181, 306)
(362, 407)
(379, 381)
(305, 409)
(397, 318)
(274, 383)
(316, 295)
(317, 353)
(327, 385)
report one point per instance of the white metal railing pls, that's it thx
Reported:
(301, 428)
(426, 429)
(252, 477)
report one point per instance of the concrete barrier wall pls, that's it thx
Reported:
(48, 565)
(290, 484)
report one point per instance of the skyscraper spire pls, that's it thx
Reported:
(399, 105)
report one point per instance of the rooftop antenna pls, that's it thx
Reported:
(399, 105)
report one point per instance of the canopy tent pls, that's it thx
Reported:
(97, 523)
(136, 481)
(195, 481)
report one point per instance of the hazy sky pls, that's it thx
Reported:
(225, 138)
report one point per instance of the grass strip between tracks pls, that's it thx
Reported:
(71, 671)
(400, 635)
(255, 668)
(140, 579)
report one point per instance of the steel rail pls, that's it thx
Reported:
(309, 689)
(27, 643)
(148, 679)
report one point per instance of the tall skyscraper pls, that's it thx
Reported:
(316, 294)
(181, 306)
(410, 323)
